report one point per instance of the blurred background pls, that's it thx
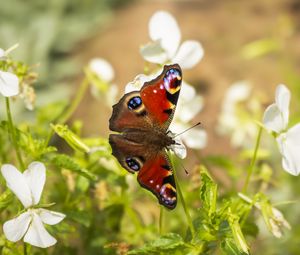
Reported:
(257, 41)
(254, 41)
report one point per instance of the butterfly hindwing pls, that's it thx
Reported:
(131, 155)
(154, 170)
(156, 175)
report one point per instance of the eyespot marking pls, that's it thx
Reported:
(134, 103)
(133, 163)
(168, 195)
(172, 80)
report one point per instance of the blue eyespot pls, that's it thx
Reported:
(134, 103)
(172, 79)
(132, 164)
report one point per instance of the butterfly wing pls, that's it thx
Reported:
(156, 175)
(154, 170)
(160, 95)
(153, 105)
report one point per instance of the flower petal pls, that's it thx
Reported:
(138, 82)
(37, 235)
(289, 147)
(154, 53)
(163, 28)
(282, 99)
(9, 84)
(189, 54)
(273, 119)
(195, 138)
(15, 229)
(36, 177)
(186, 111)
(102, 68)
(17, 183)
(187, 91)
(179, 148)
(2, 54)
(50, 217)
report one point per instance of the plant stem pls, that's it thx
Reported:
(250, 170)
(187, 214)
(25, 248)
(12, 131)
(161, 215)
(71, 108)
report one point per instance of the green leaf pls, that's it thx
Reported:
(229, 247)
(5, 199)
(71, 138)
(165, 244)
(208, 191)
(65, 161)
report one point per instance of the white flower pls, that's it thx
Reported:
(165, 46)
(102, 68)
(105, 74)
(188, 106)
(275, 119)
(233, 120)
(28, 187)
(9, 84)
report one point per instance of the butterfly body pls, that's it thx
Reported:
(142, 119)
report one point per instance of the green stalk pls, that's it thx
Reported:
(161, 215)
(186, 211)
(253, 161)
(72, 107)
(12, 131)
(25, 248)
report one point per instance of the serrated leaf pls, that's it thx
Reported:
(208, 191)
(65, 161)
(166, 244)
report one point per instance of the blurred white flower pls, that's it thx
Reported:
(28, 187)
(9, 84)
(165, 46)
(235, 121)
(102, 80)
(102, 69)
(275, 119)
(4, 53)
(188, 106)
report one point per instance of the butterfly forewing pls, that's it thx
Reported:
(160, 95)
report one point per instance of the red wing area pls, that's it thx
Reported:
(160, 95)
(156, 175)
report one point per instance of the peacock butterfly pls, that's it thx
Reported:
(142, 119)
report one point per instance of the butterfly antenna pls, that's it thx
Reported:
(197, 124)
(186, 171)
